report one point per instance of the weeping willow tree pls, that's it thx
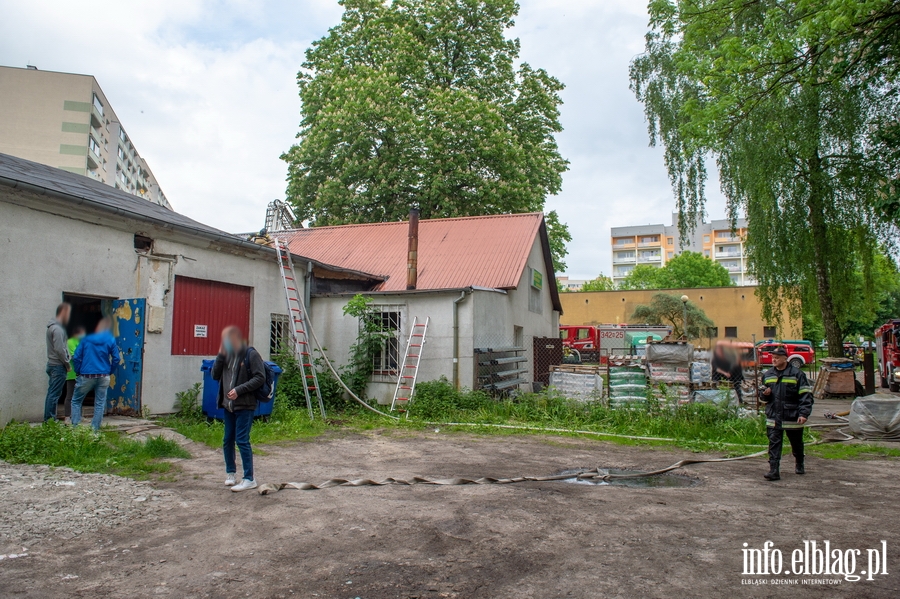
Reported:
(769, 93)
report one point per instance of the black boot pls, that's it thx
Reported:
(799, 468)
(773, 473)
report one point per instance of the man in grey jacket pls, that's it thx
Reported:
(57, 358)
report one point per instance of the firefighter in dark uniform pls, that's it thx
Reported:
(789, 400)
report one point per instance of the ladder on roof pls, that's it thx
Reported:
(409, 371)
(297, 316)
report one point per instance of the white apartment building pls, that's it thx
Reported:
(655, 245)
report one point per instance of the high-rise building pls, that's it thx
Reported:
(64, 120)
(655, 245)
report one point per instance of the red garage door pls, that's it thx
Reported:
(201, 309)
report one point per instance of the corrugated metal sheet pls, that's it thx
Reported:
(208, 304)
(480, 251)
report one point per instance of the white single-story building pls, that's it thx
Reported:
(170, 282)
(486, 283)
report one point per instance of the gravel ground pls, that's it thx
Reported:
(526, 541)
(42, 503)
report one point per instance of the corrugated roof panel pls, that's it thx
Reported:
(480, 251)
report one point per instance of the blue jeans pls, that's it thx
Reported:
(57, 374)
(237, 430)
(83, 386)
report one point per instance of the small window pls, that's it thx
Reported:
(563, 333)
(121, 153)
(279, 334)
(670, 255)
(122, 135)
(670, 241)
(535, 295)
(94, 146)
(518, 336)
(731, 332)
(98, 104)
(706, 253)
(706, 239)
(769, 332)
(584, 334)
(143, 243)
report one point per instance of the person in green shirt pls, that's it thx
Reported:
(72, 343)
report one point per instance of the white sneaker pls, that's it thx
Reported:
(244, 485)
(229, 479)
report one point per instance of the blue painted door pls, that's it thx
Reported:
(128, 317)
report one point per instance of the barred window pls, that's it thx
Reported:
(387, 320)
(279, 334)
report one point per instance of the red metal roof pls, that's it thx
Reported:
(454, 253)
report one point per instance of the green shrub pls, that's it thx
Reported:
(187, 403)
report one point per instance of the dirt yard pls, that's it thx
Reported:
(531, 540)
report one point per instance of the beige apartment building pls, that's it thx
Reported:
(64, 120)
(655, 245)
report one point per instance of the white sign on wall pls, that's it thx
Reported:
(200, 330)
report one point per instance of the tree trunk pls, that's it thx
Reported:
(819, 230)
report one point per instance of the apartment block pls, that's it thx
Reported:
(567, 284)
(64, 120)
(655, 245)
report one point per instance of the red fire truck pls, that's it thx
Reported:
(887, 343)
(613, 339)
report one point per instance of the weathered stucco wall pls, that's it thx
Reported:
(45, 255)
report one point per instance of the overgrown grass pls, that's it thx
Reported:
(697, 427)
(847, 451)
(78, 448)
(287, 423)
(693, 425)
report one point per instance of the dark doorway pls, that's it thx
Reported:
(87, 311)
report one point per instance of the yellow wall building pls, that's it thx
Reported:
(736, 311)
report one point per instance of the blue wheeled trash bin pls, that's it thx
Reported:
(211, 392)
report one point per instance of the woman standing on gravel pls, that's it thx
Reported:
(240, 371)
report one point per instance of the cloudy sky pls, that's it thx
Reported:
(207, 92)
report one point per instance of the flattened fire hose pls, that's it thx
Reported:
(597, 475)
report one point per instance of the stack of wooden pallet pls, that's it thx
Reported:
(837, 377)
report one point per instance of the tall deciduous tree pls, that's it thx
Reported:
(755, 84)
(692, 269)
(424, 102)
(684, 271)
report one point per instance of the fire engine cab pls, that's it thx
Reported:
(887, 342)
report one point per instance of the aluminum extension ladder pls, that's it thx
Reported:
(299, 337)
(406, 381)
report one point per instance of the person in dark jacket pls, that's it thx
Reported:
(57, 359)
(240, 371)
(789, 400)
(96, 359)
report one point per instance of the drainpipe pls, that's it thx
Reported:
(412, 256)
(456, 303)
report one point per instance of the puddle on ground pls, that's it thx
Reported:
(658, 481)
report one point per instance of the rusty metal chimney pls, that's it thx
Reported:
(412, 260)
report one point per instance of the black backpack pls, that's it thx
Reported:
(265, 392)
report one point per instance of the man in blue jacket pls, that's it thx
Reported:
(95, 360)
